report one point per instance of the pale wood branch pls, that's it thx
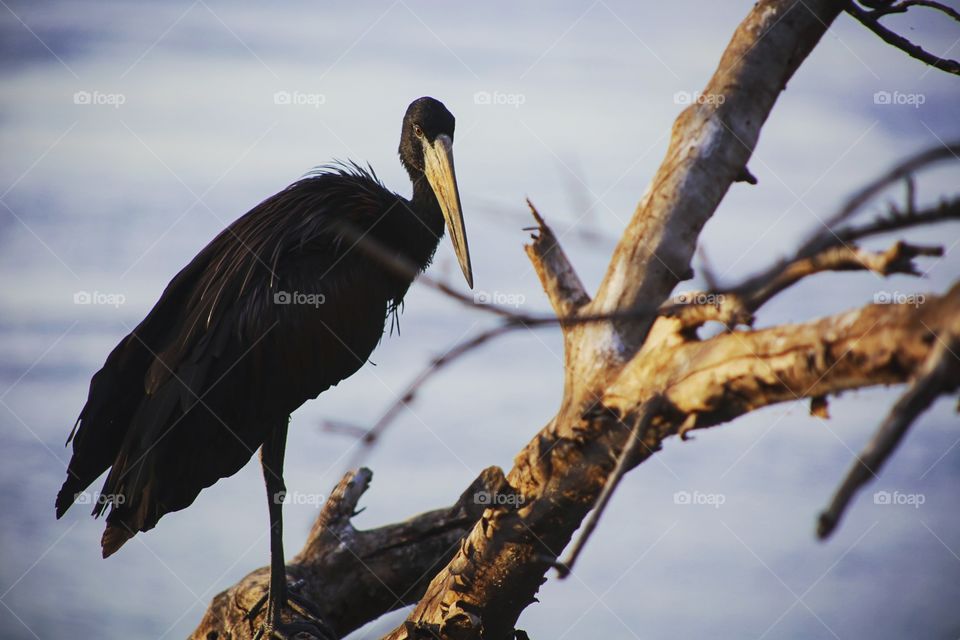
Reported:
(501, 564)
(709, 147)
(733, 373)
(558, 277)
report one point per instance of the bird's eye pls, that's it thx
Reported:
(418, 131)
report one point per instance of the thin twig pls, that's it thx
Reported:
(343, 428)
(904, 5)
(707, 271)
(854, 203)
(461, 349)
(630, 450)
(897, 220)
(870, 20)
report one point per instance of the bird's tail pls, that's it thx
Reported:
(114, 537)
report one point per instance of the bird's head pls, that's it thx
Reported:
(426, 150)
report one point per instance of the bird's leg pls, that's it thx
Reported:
(271, 459)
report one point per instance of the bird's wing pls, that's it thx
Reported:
(117, 388)
(217, 312)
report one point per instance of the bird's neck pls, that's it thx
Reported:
(413, 229)
(426, 208)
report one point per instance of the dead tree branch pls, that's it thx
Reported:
(829, 250)
(738, 306)
(709, 148)
(871, 20)
(904, 170)
(560, 280)
(939, 375)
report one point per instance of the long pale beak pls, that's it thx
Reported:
(438, 161)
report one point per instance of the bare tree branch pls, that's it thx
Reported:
(709, 148)
(887, 7)
(731, 307)
(737, 306)
(939, 375)
(829, 250)
(897, 220)
(560, 281)
(718, 379)
(902, 171)
(871, 20)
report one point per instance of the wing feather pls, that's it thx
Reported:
(189, 395)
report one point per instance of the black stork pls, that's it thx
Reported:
(280, 306)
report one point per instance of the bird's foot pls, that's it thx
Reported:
(273, 626)
(292, 631)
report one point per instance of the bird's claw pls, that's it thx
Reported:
(305, 608)
(292, 631)
(255, 609)
(313, 623)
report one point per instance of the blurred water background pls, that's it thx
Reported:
(132, 132)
